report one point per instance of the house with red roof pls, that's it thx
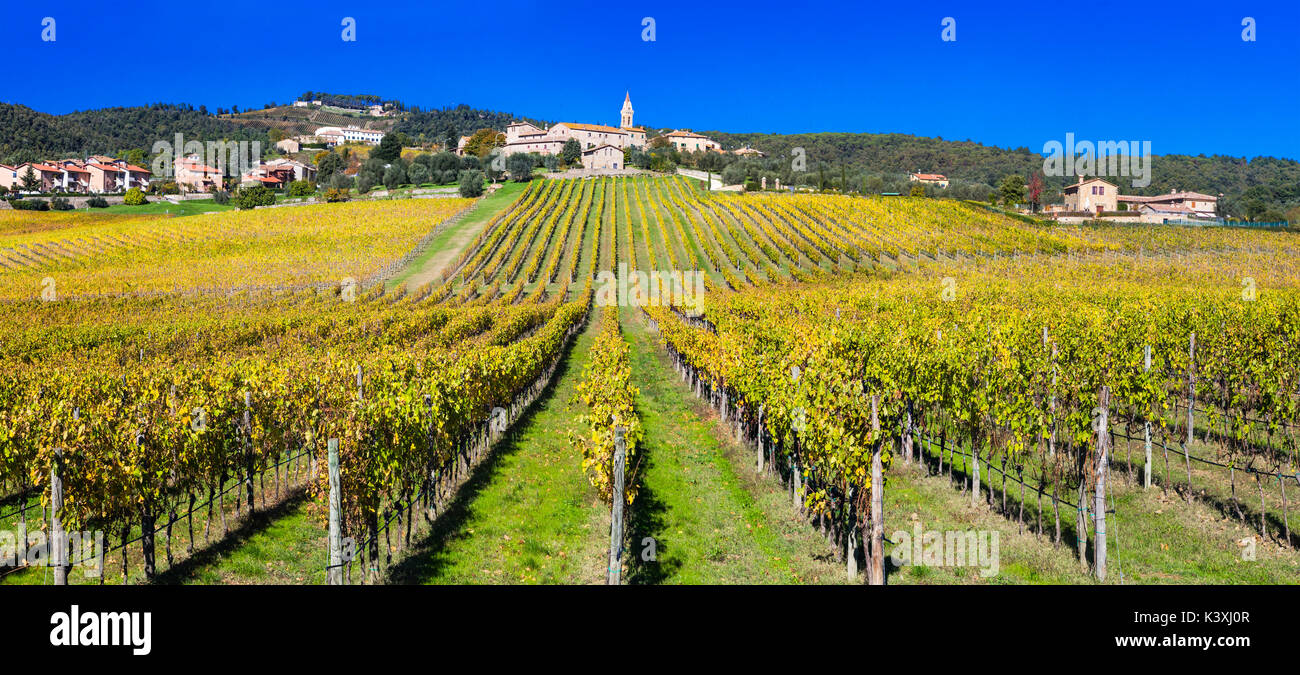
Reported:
(936, 179)
(194, 175)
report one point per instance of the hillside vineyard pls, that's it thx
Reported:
(837, 335)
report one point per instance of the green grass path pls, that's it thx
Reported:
(528, 514)
(713, 520)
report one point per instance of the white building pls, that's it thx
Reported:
(689, 141)
(333, 136)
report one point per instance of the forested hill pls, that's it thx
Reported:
(452, 122)
(1257, 185)
(28, 135)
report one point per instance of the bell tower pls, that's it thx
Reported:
(627, 111)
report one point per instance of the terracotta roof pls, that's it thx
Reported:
(195, 166)
(593, 127)
(46, 167)
(135, 169)
(105, 167)
(600, 147)
(1090, 180)
(685, 134)
(1143, 199)
(1169, 208)
(930, 176)
(75, 169)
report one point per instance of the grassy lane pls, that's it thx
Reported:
(528, 514)
(449, 242)
(713, 521)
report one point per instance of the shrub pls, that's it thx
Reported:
(520, 167)
(97, 202)
(29, 205)
(221, 197)
(134, 197)
(471, 183)
(341, 181)
(302, 188)
(336, 195)
(394, 176)
(364, 184)
(60, 204)
(255, 196)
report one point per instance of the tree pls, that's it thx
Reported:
(255, 196)
(390, 148)
(520, 167)
(30, 182)
(918, 190)
(329, 165)
(418, 174)
(471, 183)
(301, 188)
(134, 197)
(364, 183)
(1036, 185)
(572, 151)
(394, 176)
(1012, 190)
(484, 141)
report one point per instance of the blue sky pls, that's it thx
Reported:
(1018, 74)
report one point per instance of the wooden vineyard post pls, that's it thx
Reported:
(760, 439)
(877, 501)
(851, 542)
(1146, 433)
(1191, 403)
(58, 540)
(616, 511)
(336, 514)
(248, 450)
(1103, 459)
(148, 518)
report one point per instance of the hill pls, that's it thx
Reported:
(28, 135)
(305, 121)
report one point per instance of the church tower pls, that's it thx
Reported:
(627, 111)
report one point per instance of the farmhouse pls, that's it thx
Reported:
(1093, 194)
(1187, 204)
(689, 141)
(936, 179)
(602, 157)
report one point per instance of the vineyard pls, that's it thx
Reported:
(1072, 384)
